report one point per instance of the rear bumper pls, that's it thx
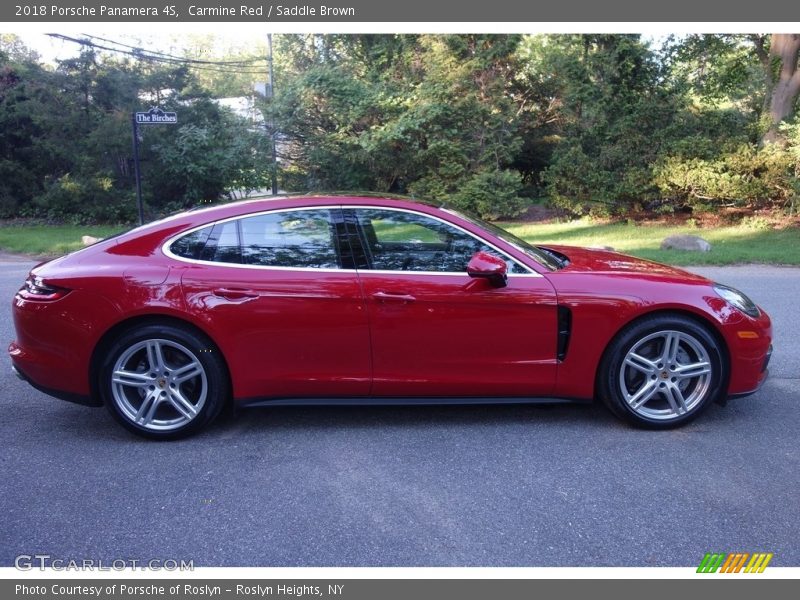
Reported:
(60, 394)
(54, 342)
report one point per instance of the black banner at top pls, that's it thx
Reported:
(366, 11)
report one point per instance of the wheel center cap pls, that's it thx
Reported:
(664, 374)
(161, 382)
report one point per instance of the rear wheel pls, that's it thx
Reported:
(163, 381)
(662, 372)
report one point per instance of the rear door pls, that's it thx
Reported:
(281, 290)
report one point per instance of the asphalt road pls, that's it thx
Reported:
(422, 486)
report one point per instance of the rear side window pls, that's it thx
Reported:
(191, 245)
(299, 239)
(295, 239)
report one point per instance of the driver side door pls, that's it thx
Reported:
(434, 330)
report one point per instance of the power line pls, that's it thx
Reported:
(144, 55)
(239, 63)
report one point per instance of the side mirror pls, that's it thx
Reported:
(487, 266)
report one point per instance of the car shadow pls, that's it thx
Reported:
(71, 422)
(62, 422)
(274, 418)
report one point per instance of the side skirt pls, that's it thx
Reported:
(398, 401)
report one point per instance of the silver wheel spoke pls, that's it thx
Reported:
(640, 363)
(672, 342)
(676, 400)
(645, 393)
(187, 372)
(147, 410)
(181, 404)
(132, 379)
(154, 355)
(692, 370)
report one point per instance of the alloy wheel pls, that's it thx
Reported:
(665, 375)
(159, 385)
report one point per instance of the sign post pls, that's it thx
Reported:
(154, 116)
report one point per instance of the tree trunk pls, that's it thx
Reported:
(783, 81)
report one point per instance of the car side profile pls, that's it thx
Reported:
(346, 300)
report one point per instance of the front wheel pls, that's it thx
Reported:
(163, 382)
(662, 372)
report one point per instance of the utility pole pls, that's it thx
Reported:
(271, 96)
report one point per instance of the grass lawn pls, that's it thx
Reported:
(730, 245)
(50, 240)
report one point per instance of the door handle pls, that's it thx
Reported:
(235, 293)
(385, 297)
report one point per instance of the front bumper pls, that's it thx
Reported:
(749, 341)
(763, 377)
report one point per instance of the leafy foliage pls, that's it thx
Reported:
(679, 128)
(426, 115)
(65, 141)
(601, 124)
(744, 176)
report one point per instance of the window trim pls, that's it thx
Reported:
(165, 247)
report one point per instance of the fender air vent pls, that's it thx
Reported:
(564, 331)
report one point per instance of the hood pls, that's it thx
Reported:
(613, 263)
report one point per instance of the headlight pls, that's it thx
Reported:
(737, 299)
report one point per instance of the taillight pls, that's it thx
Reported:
(36, 289)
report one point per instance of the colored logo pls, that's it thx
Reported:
(735, 562)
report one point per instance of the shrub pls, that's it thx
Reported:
(491, 194)
(578, 183)
(744, 176)
(81, 201)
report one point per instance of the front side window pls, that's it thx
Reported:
(404, 241)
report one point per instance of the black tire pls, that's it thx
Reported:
(169, 402)
(639, 382)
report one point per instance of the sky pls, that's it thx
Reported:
(52, 49)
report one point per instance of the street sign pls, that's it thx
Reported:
(156, 116)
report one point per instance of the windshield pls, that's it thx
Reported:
(540, 255)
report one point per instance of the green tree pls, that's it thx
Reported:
(210, 153)
(782, 76)
(616, 112)
(723, 154)
(65, 140)
(426, 115)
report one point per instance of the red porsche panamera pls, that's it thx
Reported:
(373, 300)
